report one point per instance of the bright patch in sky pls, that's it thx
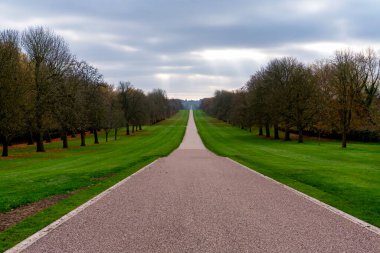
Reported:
(231, 54)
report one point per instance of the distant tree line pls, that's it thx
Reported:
(188, 104)
(333, 97)
(45, 89)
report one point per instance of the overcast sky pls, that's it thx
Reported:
(190, 48)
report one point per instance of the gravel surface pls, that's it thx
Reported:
(195, 201)
(191, 140)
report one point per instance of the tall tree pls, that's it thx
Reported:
(65, 91)
(51, 58)
(259, 102)
(239, 113)
(279, 78)
(371, 76)
(138, 108)
(87, 77)
(158, 104)
(174, 106)
(12, 88)
(113, 113)
(348, 83)
(124, 98)
(305, 99)
(222, 103)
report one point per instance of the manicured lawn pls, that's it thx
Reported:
(28, 176)
(348, 179)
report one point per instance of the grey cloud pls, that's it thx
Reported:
(139, 40)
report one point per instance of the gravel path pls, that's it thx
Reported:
(195, 201)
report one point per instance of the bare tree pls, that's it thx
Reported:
(175, 105)
(259, 99)
(138, 108)
(124, 98)
(88, 79)
(239, 114)
(158, 104)
(372, 75)
(113, 115)
(12, 88)
(97, 108)
(279, 77)
(51, 58)
(348, 84)
(222, 104)
(65, 101)
(305, 99)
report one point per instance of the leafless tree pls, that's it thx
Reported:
(113, 113)
(138, 105)
(158, 105)
(50, 57)
(305, 99)
(12, 88)
(348, 84)
(124, 98)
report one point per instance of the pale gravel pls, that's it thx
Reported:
(195, 201)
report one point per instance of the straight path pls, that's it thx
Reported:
(195, 201)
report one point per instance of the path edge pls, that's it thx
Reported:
(41, 233)
(347, 216)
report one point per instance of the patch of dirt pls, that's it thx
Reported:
(14, 216)
(99, 178)
(102, 178)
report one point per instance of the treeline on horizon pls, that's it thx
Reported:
(336, 97)
(44, 89)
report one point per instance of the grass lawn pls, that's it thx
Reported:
(28, 176)
(348, 179)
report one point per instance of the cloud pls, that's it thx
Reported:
(191, 48)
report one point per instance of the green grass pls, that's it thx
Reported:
(28, 176)
(348, 179)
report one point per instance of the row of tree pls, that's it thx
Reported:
(335, 96)
(45, 89)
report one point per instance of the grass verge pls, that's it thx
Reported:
(28, 176)
(348, 179)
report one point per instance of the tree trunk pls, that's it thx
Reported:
(140, 127)
(267, 131)
(96, 140)
(38, 110)
(260, 131)
(107, 135)
(115, 133)
(48, 137)
(30, 138)
(40, 142)
(276, 135)
(133, 128)
(5, 146)
(127, 128)
(300, 135)
(82, 138)
(287, 134)
(64, 139)
(344, 138)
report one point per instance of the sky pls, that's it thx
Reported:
(190, 48)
